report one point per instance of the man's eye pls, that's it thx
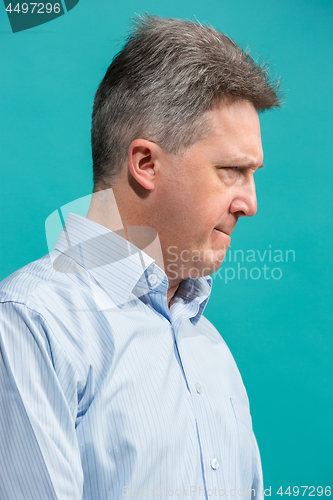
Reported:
(234, 169)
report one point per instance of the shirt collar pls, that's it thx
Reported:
(114, 262)
(197, 291)
(119, 266)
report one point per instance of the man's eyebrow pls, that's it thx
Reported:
(234, 162)
(249, 164)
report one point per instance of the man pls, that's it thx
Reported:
(113, 383)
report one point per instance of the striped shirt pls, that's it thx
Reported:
(105, 392)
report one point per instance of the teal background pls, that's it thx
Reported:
(279, 331)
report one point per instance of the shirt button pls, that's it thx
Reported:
(152, 278)
(198, 388)
(214, 463)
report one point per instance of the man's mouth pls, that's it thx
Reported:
(220, 231)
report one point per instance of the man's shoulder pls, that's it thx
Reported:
(20, 285)
(37, 277)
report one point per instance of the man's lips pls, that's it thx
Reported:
(220, 231)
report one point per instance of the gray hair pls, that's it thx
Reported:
(160, 86)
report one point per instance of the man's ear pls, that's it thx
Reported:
(142, 156)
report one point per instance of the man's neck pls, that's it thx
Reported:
(171, 292)
(104, 210)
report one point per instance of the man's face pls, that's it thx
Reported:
(202, 193)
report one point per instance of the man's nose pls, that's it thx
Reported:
(244, 203)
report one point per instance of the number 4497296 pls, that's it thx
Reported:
(38, 8)
(310, 491)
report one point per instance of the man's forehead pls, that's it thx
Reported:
(235, 134)
(232, 110)
(242, 150)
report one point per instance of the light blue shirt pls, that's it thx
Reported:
(105, 392)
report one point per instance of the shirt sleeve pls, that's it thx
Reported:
(257, 485)
(39, 453)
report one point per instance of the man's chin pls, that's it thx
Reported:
(211, 268)
(207, 268)
(222, 237)
(195, 263)
(211, 265)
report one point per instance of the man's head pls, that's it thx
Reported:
(161, 84)
(175, 114)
